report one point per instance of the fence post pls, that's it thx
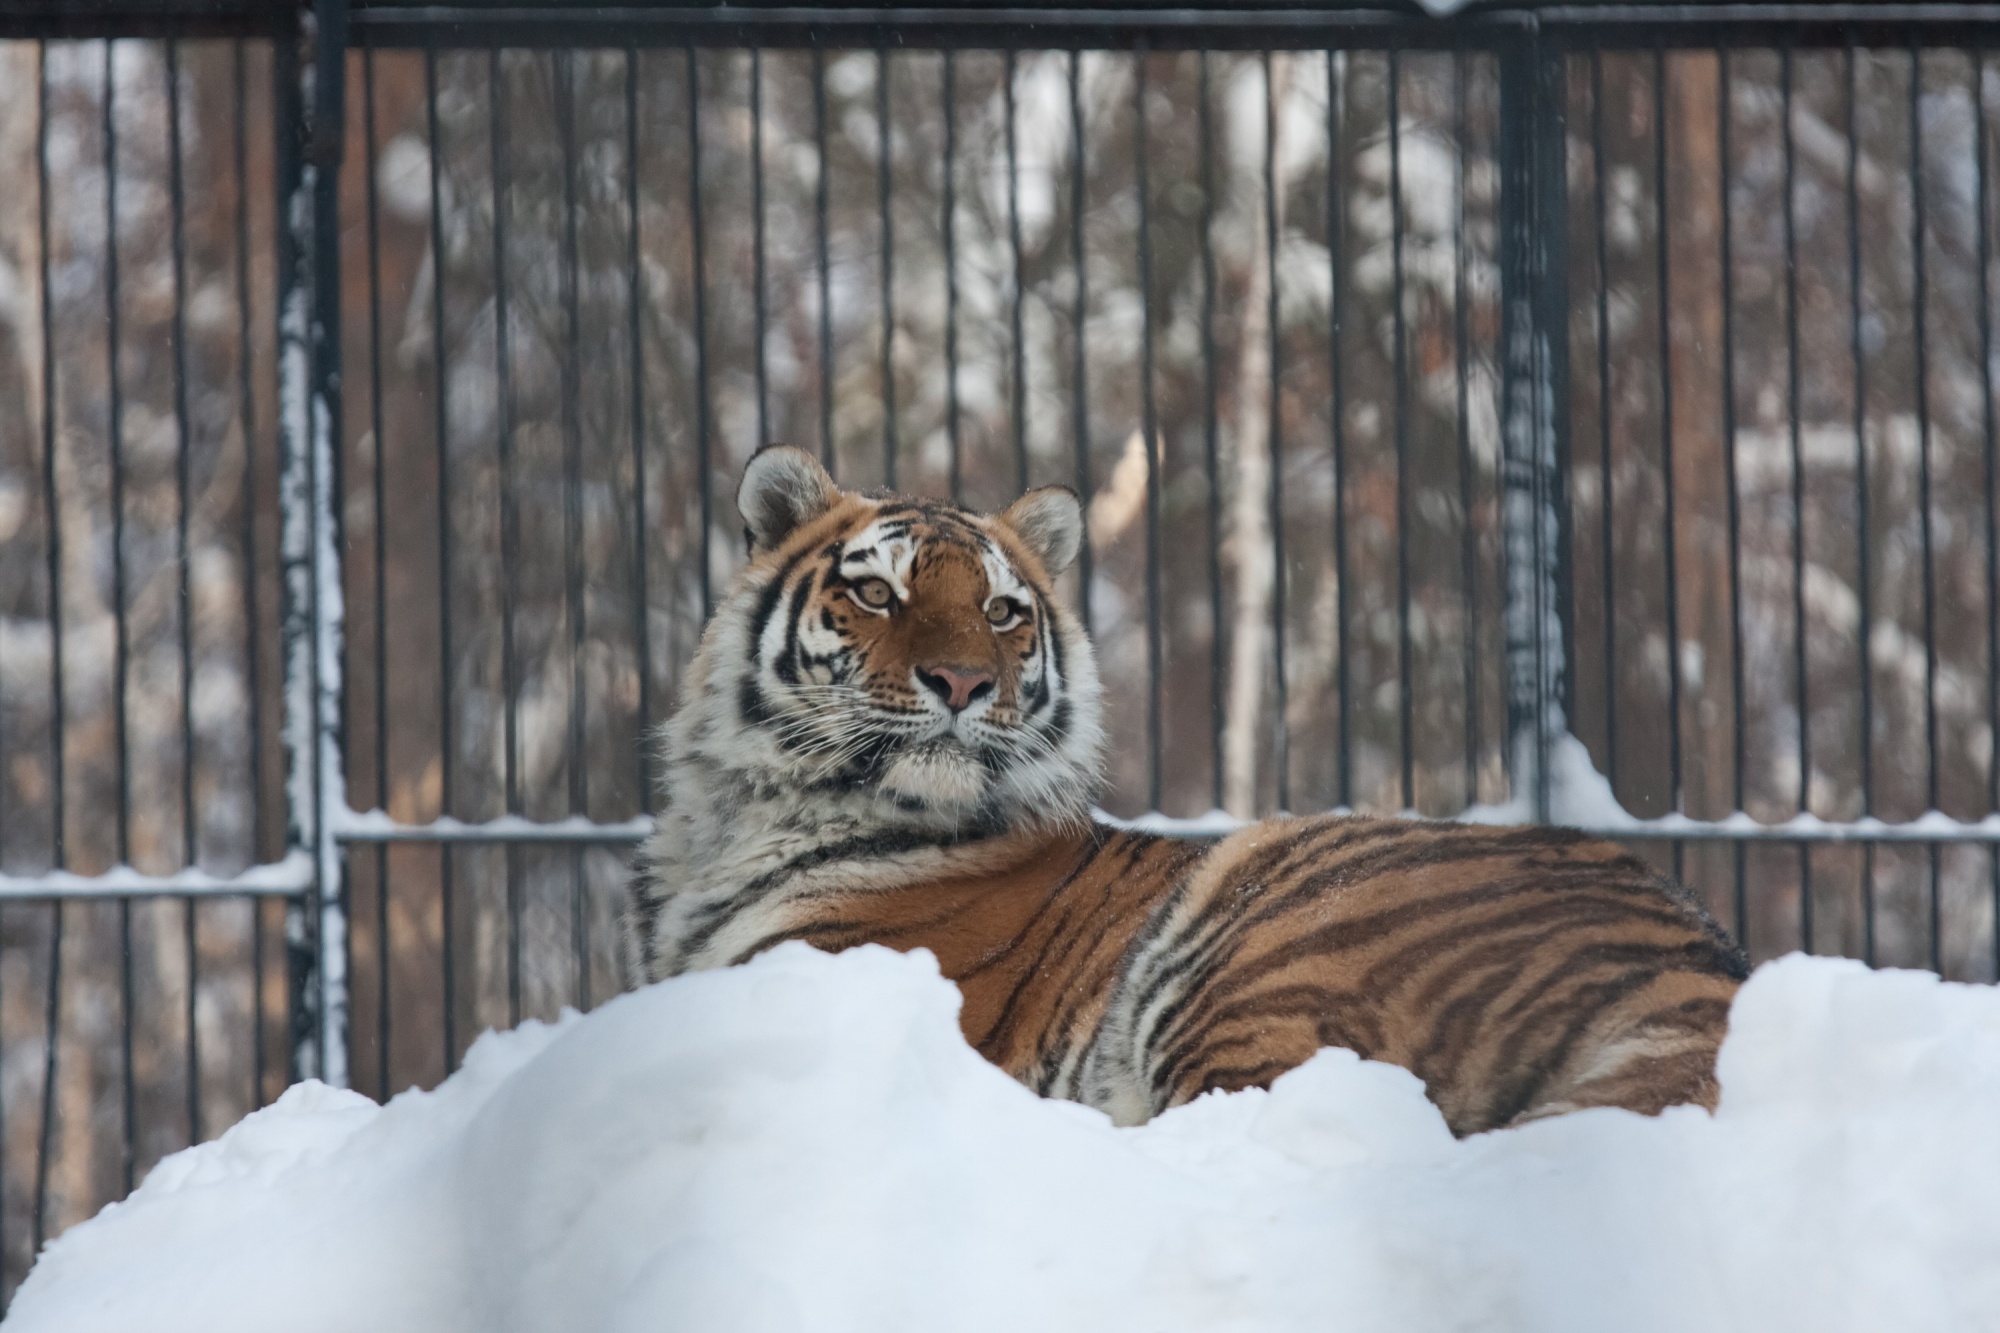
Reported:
(309, 149)
(1534, 406)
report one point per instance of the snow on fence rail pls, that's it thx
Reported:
(1461, 430)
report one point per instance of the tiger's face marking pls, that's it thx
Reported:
(910, 649)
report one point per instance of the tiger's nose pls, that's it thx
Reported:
(957, 686)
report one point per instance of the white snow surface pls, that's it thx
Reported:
(807, 1143)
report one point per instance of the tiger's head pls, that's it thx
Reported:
(908, 653)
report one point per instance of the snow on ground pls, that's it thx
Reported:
(806, 1143)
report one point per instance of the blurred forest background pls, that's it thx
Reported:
(580, 288)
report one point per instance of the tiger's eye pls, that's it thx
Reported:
(874, 593)
(999, 611)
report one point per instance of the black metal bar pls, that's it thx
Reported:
(1020, 380)
(1211, 459)
(642, 637)
(1983, 257)
(440, 404)
(1862, 536)
(1669, 528)
(51, 499)
(252, 639)
(380, 538)
(327, 1007)
(757, 295)
(705, 490)
(297, 635)
(510, 520)
(1274, 26)
(1918, 303)
(1557, 639)
(820, 204)
(1468, 567)
(1400, 371)
(115, 437)
(1150, 424)
(1274, 439)
(1336, 245)
(1725, 176)
(129, 1151)
(1079, 396)
(575, 599)
(949, 227)
(1534, 385)
(177, 333)
(884, 181)
(46, 1133)
(1794, 414)
(1607, 473)
(52, 517)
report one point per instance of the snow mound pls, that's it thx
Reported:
(806, 1143)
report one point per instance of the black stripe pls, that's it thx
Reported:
(750, 701)
(1037, 969)
(711, 920)
(1206, 985)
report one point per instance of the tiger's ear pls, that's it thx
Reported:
(1049, 521)
(782, 489)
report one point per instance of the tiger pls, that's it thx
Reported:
(892, 733)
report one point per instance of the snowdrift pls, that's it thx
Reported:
(806, 1143)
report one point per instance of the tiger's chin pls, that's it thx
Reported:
(941, 776)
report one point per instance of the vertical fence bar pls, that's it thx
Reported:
(1019, 385)
(1534, 386)
(441, 431)
(380, 553)
(1861, 530)
(1732, 490)
(642, 633)
(1982, 256)
(1400, 415)
(949, 226)
(757, 283)
(295, 544)
(1336, 246)
(246, 408)
(1918, 305)
(822, 185)
(1794, 414)
(1211, 429)
(1462, 426)
(1607, 473)
(885, 185)
(705, 488)
(1274, 441)
(121, 629)
(1079, 397)
(309, 384)
(1669, 526)
(183, 448)
(323, 491)
(575, 602)
(52, 517)
(1150, 424)
(510, 516)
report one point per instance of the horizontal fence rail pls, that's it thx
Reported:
(1579, 414)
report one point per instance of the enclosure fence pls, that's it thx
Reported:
(1579, 414)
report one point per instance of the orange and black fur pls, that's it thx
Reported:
(891, 735)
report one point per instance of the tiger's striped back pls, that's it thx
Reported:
(891, 737)
(1518, 971)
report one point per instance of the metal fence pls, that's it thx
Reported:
(1583, 414)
